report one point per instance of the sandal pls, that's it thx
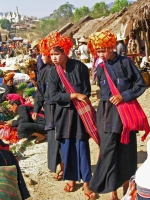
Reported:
(69, 188)
(91, 195)
(58, 176)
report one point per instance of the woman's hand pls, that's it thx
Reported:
(80, 97)
(9, 123)
(116, 99)
(34, 116)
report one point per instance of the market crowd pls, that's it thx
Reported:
(58, 110)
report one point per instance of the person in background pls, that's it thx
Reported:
(40, 65)
(133, 45)
(117, 161)
(1, 77)
(83, 51)
(8, 86)
(33, 83)
(120, 48)
(96, 61)
(26, 126)
(3, 50)
(145, 62)
(72, 53)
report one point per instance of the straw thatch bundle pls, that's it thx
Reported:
(77, 26)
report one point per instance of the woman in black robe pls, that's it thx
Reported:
(70, 130)
(117, 161)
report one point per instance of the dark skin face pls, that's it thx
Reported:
(13, 107)
(10, 82)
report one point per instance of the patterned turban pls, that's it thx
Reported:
(101, 40)
(7, 77)
(55, 39)
(43, 47)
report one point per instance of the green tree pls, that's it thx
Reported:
(47, 25)
(99, 10)
(63, 14)
(81, 12)
(119, 5)
(5, 24)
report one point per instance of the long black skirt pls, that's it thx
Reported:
(116, 164)
(54, 151)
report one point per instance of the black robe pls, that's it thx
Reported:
(117, 162)
(67, 121)
(42, 99)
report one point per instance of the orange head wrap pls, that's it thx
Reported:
(101, 40)
(32, 75)
(7, 77)
(55, 39)
(43, 47)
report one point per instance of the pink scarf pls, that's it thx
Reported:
(131, 114)
(85, 110)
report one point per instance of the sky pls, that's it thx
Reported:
(42, 8)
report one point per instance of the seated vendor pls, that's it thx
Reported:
(8, 86)
(26, 125)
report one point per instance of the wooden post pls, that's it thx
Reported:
(146, 40)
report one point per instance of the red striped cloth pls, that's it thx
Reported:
(131, 114)
(85, 110)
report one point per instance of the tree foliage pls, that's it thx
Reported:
(68, 13)
(99, 10)
(64, 13)
(47, 26)
(5, 24)
(81, 12)
(119, 5)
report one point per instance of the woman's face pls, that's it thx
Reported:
(13, 107)
(10, 82)
(57, 57)
(105, 54)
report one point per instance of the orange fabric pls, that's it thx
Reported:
(55, 39)
(43, 47)
(7, 77)
(101, 40)
(32, 75)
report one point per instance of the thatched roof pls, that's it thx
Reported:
(97, 24)
(65, 28)
(77, 26)
(137, 13)
(4, 35)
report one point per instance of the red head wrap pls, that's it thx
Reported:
(7, 77)
(15, 97)
(55, 39)
(43, 47)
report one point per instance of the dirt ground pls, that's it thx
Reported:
(40, 180)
